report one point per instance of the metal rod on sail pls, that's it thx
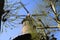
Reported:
(24, 7)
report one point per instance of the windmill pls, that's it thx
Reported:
(39, 19)
(47, 25)
(33, 15)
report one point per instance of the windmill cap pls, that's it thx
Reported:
(28, 14)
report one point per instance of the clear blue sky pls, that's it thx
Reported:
(31, 5)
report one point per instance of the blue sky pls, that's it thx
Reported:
(31, 5)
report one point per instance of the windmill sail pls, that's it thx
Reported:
(24, 7)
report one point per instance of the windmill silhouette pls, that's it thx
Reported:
(33, 15)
